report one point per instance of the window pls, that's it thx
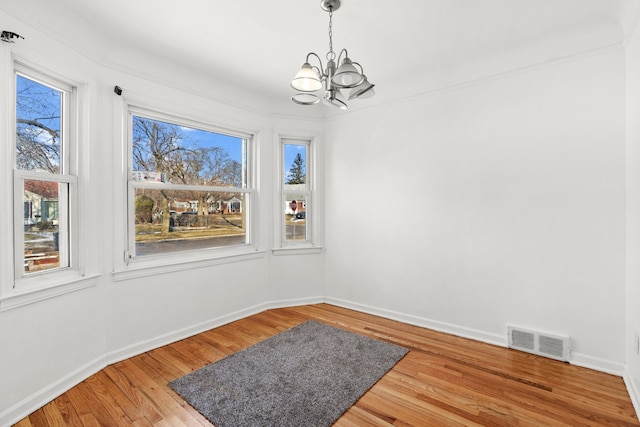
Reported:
(45, 176)
(189, 186)
(296, 195)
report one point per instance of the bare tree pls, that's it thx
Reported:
(221, 171)
(161, 147)
(38, 111)
(157, 147)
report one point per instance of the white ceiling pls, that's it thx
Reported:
(406, 47)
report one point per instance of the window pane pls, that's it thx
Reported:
(295, 169)
(295, 217)
(45, 225)
(38, 119)
(180, 220)
(178, 154)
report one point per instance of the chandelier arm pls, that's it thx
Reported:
(346, 55)
(321, 73)
(358, 64)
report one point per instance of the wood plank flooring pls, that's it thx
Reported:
(443, 381)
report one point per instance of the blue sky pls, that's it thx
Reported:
(42, 103)
(233, 145)
(290, 151)
(201, 138)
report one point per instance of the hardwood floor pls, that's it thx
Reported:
(443, 381)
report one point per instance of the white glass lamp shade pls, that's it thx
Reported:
(363, 90)
(306, 80)
(347, 75)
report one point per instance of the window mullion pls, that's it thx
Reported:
(185, 187)
(46, 176)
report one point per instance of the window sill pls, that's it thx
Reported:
(299, 250)
(152, 266)
(51, 287)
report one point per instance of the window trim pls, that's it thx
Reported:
(310, 245)
(59, 281)
(307, 192)
(128, 266)
(69, 147)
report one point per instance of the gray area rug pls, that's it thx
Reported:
(306, 376)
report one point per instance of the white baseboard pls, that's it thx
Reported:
(577, 359)
(633, 391)
(177, 335)
(165, 339)
(423, 322)
(296, 302)
(35, 401)
(597, 364)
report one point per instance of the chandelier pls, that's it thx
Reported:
(349, 75)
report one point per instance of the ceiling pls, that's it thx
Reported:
(406, 47)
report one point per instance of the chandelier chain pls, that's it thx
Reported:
(331, 54)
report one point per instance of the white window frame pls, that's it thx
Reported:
(310, 245)
(148, 265)
(22, 289)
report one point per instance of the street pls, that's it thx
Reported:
(177, 245)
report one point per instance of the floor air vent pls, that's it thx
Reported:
(553, 346)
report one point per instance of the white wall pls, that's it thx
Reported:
(49, 346)
(633, 218)
(499, 201)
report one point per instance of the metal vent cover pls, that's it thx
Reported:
(543, 344)
(523, 339)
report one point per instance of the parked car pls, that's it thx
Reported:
(301, 215)
(187, 218)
